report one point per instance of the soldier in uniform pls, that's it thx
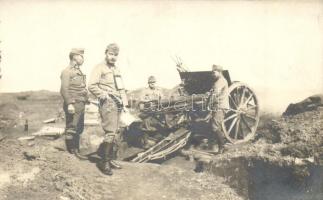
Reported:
(75, 95)
(150, 124)
(105, 86)
(220, 103)
(151, 92)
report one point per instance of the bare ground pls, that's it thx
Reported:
(283, 162)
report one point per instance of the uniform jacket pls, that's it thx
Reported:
(221, 93)
(102, 82)
(73, 85)
(150, 94)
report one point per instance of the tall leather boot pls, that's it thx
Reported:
(105, 165)
(69, 142)
(76, 148)
(114, 157)
(220, 141)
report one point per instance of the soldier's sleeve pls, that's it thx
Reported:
(65, 81)
(94, 83)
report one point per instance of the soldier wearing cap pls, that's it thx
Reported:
(220, 103)
(105, 84)
(75, 95)
(150, 124)
(151, 92)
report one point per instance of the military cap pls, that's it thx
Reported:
(77, 51)
(217, 68)
(112, 47)
(151, 79)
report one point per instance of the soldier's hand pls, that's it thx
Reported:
(71, 109)
(125, 109)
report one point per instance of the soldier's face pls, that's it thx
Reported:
(111, 57)
(79, 59)
(216, 74)
(152, 85)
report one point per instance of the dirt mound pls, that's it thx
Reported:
(38, 169)
(308, 104)
(9, 113)
(302, 134)
(285, 161)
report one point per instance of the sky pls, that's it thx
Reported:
(276, 48)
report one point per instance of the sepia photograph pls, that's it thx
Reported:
(161, 100)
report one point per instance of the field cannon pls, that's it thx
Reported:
(187, 105)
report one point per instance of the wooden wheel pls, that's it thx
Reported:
(242, 118)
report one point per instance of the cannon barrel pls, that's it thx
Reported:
(175, 104)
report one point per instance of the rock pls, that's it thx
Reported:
(9, 113)
(31, 155)
(26, 138)
(64, 198)
(49, 131)
(298, 150)
(51, 120)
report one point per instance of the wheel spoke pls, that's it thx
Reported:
(241, 129)
(230, 109)
(236, 96)
(242, 96)
(250, 106)
(233, 122)
(245, 123)
(234, 103)
(231, 116)
(250, 116)
(237, 129)
(249, 98)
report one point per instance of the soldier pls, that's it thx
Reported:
(150, 124)
(75, 95)
(105, 84)
(220, 103)
(152, 92)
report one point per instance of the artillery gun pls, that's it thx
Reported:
(188, 105)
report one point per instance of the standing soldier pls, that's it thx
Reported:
(220, 103)
(106, 84)
(75, 95)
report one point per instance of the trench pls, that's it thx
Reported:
(259, 179)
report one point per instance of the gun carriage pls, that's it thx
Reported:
(187, 105)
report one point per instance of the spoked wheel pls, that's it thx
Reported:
(242, 118)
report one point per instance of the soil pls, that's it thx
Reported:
(284, 161)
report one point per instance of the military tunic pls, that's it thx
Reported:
(103, 85)
(73, 91)
(149, 94)
(220, 100)
(220, 97)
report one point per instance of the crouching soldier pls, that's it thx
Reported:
(220, 102)
(150, 124)
(106, 84)
(75, 95)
